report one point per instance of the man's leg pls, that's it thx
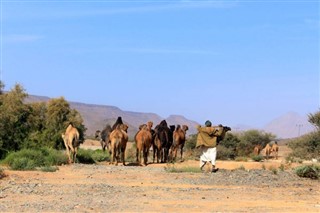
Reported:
(203, 157)
(202, 164)
(213, 155)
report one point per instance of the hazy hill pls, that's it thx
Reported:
(97, 116)
(289, 125)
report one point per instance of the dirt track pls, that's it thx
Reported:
(105, 188)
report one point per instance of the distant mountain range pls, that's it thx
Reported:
(96, 117)
(289, 125)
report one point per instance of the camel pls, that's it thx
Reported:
(221, 132)
(118, 143)
(268, 150)
(257, 149)
(105, 133)
(104, 137)
(71, 142)
(179, 138)
(143, 142)
(162, 141)
(275, 149)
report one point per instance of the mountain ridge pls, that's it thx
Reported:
(96, 116)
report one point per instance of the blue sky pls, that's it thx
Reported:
(233, 62)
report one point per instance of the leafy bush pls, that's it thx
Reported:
(88, 156)
(85, 156)
(33, 125)
(224, 153)
(99, 156)
(28, 159)
(306, 147)
(191, 142)
(49, 169)
(257, 158)
(250, 138)
(308, 171)
(245, 159)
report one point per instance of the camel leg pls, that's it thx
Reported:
(75, 154)
(181, 151)
(154, 153)
(123, 150)
(68, 154)
(145, 155)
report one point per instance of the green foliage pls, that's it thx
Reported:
(58, 117)
(227, 147)
(314, 119)
(308, 171)
(250, 138)
(235, 145)
(191, 142)
(257, 158)
(49, 168)
(99, 156)
(245, 159)
(1, 87)
(85, 156)
(306, 146)
(89, 156)
(14, 127)
(25, 126)
(27, 159)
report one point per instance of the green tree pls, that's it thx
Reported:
(36, 122)
(1, 87)
(227, 148)
(58, 117)
(250, 138)
(13, 120)
(307, 146)
(314, 119)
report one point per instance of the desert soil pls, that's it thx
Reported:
(236, 187)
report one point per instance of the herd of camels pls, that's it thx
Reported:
(165, 141)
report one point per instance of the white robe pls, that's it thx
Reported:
(208, 154)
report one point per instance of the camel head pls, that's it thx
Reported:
(142, 126)
(97, 134)
(150, 124)
(185, 127)
(124, 127)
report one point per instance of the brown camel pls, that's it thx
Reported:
(71, 142)
(179, 138)
(118, 139)
(143, 142)
(257, 149)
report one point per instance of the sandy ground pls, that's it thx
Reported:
(236, 187)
